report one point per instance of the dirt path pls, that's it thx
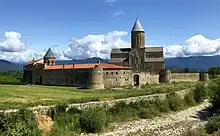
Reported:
(172, 124)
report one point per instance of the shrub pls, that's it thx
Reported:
(189, 99)
(21, 123)
(122, 111)
(150, 112)
(175, 102)
(66, 123)
(93, 120)
(215, 94)
(213, 125)
(200, 93)
(162, 105)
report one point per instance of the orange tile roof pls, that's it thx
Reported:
(84, 66)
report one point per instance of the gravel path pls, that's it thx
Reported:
(172, 124)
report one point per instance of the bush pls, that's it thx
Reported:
(93, 120)
(148, 113)
(162, 105)
(200, 93)
(66, 123)
(213, 125)
(122, 111)
(189, 99)
(21, 123)
(215, 94)
(175, 102)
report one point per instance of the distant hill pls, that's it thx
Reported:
(89, 60)
(9, 66)
(194, 62)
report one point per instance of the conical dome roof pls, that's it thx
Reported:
(137, 26)
(49, 54)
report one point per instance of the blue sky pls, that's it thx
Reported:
(43, 23)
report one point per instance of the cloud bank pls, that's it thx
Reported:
(12, 43)
(12, 48)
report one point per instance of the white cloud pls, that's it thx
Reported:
(197, 45)
(22, 56)
(95, 45)
(12, 43)
(100, 46)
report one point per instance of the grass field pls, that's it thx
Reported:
(16, 96)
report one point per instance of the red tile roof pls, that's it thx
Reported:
(84, 66)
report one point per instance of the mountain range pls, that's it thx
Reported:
(193, 62)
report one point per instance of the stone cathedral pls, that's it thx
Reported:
(137, 65)
(139, 57)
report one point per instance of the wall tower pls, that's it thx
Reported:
(96, 80)
(49, 58)
(137, 35)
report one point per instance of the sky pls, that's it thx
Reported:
(78, 29)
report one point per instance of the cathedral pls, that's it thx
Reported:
(139, 57)
(137, 65)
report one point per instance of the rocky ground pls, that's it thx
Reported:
(172, 124)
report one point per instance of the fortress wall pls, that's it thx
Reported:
(65, 77)
(147, 78)
(36, 74)
(54, 77)
(184, 77)
(117, 77)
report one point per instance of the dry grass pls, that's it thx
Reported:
(45, 123)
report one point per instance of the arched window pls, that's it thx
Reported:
(52, 62)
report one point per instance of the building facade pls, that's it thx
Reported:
(127, 66)
(139, 57)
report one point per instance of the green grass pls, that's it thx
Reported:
(17, 96)
(11, 77)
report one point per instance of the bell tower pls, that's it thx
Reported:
(137, 35)
(49, 58)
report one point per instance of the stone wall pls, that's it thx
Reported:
(147, 78)
(117, 78)
(184, 77)
(65, 77)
